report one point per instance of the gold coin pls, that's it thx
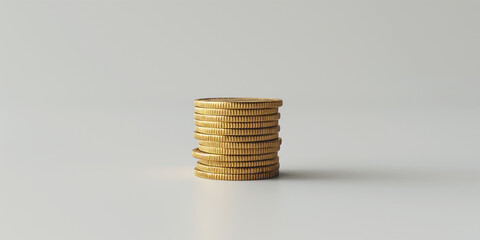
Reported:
(213, 118)
(235, 177)
(238, 131)
(234, 151)
(196, 153)
(238, 103)
(236, 124)
(229, 170)
(264, 144)
(236, 112)
(239, 164)
(220, 138)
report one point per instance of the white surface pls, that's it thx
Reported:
(380, 122)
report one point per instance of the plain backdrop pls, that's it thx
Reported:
(380, 122)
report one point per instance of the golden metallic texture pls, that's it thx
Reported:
(236, 112)
(234, 151)
(229, 170)
(238, 131)
(220, 138)
(239, 164)
(244, 119)
(238, 103)
(235, 177)
(264, 144)
(196, 153)
(236, 124)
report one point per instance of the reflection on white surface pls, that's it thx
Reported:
(230, 209)
(213, 213)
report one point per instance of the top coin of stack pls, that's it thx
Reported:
(238, 138)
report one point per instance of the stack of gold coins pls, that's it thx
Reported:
(238, 138)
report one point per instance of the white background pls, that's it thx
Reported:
(380, 122)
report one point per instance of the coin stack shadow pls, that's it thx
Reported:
(238, 138)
